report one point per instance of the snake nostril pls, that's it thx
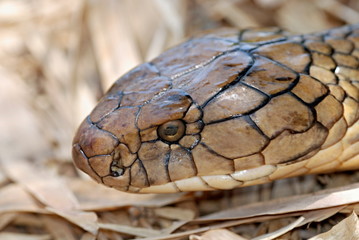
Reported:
(115, 170)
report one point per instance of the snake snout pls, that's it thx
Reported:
(82, 162)
(93, 149)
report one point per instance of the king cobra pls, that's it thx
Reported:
(228, 109)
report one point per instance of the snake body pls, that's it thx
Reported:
(228, 109)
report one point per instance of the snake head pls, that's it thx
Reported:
(135, 136)
(200, 117)
(218, 113)
(149, 134)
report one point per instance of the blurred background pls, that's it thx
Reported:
(58, 57)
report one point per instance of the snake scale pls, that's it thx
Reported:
(228, 109)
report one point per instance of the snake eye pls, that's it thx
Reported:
(171, 131)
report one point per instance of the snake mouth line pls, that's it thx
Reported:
(215, 182)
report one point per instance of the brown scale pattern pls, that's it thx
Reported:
(264, 101)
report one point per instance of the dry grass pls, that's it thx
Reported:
(57, 58)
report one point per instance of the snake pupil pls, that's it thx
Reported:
(171, 131)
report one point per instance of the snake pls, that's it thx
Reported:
(228, 108)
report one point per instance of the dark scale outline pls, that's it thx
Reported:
(200, 109)
(200, 125)
(144, 169)
(267, 99)
(268, 96)
(354, 80)
(332, 71)
(95, 124)
(345, 93)
(111, 173)
(346, 129)
(191, 158)
(142, 165)
(340, 38)
(100, 155)
(312, 148)
(342, 114)
(159, 95)
(353, 68)
(290, 85)
(113, 135)
(357, 119)
(240, 75)
(200, 65)
(215, 153)
(219, 39)
(156, 70)
(88, 161)
(166, 162)
(340, 65)
(299, 43)
(195, 143)
(250, 121)
(291, 130)
(311, 106)
(88, 119)
(205, 183)
(348, 29)
(197, 106)
(350, 32)
(121, 94)
(261, 43)
(327, 55)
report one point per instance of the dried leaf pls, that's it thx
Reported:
(6, 218)
(290, 15)
(135, 231)
(236, 15)
(346, 229)
(23, 202)
(19, 236)
(59, 228)
(218, 234)
(106, 35)
(324, 199)
(88, 236)
(47, 188)
(339, 10)
(87, 192)
(175, 213)
(16, 119)
(85, 220)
